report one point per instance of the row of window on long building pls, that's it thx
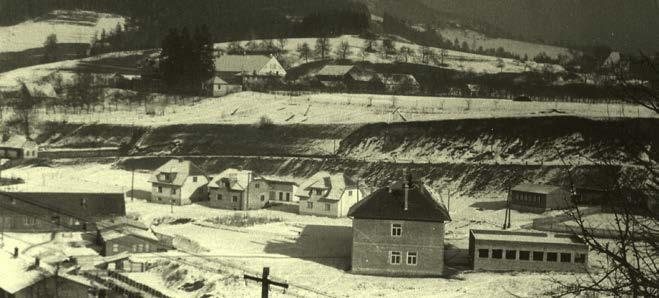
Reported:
(525, 255)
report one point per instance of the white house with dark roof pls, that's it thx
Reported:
(18, 147)
(539, 197)
(232, 72)
(178, 182)
(326, 194)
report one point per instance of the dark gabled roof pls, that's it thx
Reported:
(241, 63)
(537, 188)
(79, 205)
(179, 170)
(388, 203)
(335, 70)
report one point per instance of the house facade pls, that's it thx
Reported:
(274, 190)
(234, 73)
(326, 194)
(46, 212)
(18, 147)
(341, 77)
(539, 197)
(178, 182)
(495, 250)
(128, 239)
(234, 189)
(399, 231)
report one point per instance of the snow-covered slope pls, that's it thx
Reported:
(69, 26)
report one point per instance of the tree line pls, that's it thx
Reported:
(187, 60)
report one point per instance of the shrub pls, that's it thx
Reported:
(265, 122)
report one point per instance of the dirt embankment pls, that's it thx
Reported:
(511, 140)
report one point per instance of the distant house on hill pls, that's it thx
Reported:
(399, 230)
(18, 147)
(178, 182)
(397, 83)
(234, 189)
(539, 197)
(44, 211)
(326, 194)
(232, 71)
(351, 77)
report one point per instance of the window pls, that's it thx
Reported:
(219, 197)
(483, 253)
(350, 192)
(173, 191)
(396, 229)
(134, 247)
(256, 185)
(235, 199)
(580, 258)
(552, 257)
(146, 247)
(328, 207)
(497, 253)
(524, 255)
(281, 196)
(159, 199)
(538, 256)
(288, 197)
(411, 258)
(394, 257)
(159, 189)
(30, 221)
(194, 178)
(262, 198)
(319, 191)
(115, 247)
(309, 205)
(511, 254)
(140, 248)
(566, 257)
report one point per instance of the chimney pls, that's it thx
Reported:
(406, 187)
(37, 262)
(5, 136)
(15, 252)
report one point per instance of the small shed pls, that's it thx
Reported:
(539, 197)
(129, 239)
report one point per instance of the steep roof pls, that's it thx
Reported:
(335, 70)
(79, 205)
(334, 184)
(237, 179)
(14, 141)
(536, 188)
(389, 203)
(241, 63)
(178, 171)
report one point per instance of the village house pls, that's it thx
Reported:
(18, 147)
(539, 197)
(326, 194)
(178, 182)
(399, 230)
(343, 77)
(233, 190)
(235, 73)
(397, 83)
(496, 250)
(274, 190)
(128, 238)
(22, 278)
(47, 212)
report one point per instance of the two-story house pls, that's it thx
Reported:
(178, 182)
(326, 194)
(274, 190)
(234, 189)
(399, 230)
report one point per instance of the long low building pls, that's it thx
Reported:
(55, 211)
(495, 250)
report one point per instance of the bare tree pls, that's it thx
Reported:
(443, 53)
(632, 263)
(322, 47)
(500, 64)
(405, 53)
(24, 106)
(343, 50)
(50, 49)
(304, 50)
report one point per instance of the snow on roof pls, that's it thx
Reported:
(41, 90)
(536, 188)
(336, 184)
(237, 179)
(527, 237)
(17, 274)
(275, 180)
(335, 70)
(119, 222)
(177, 172)
(241, 63)
(121, 232)
(14, 141)
(397, 78)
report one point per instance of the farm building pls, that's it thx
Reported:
(511, 250)
(399, 230)
(130, 239)
(18, 147)
(22, 278)
(178, 182)
(326, 194)
(220, 87)
(245, 71)
(275, 190)
(539, 197)
(351, 77)
(396, 83)
(233, 189)
(45, 212)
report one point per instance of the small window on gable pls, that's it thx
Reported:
(350, 192)
(194, 178)
(319, 191)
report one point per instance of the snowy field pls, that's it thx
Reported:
(306, 251)
(326, 108)
(69, 26)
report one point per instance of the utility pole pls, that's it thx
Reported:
(132, 185)
(265, 282)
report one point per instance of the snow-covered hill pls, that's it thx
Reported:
(69, 26)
